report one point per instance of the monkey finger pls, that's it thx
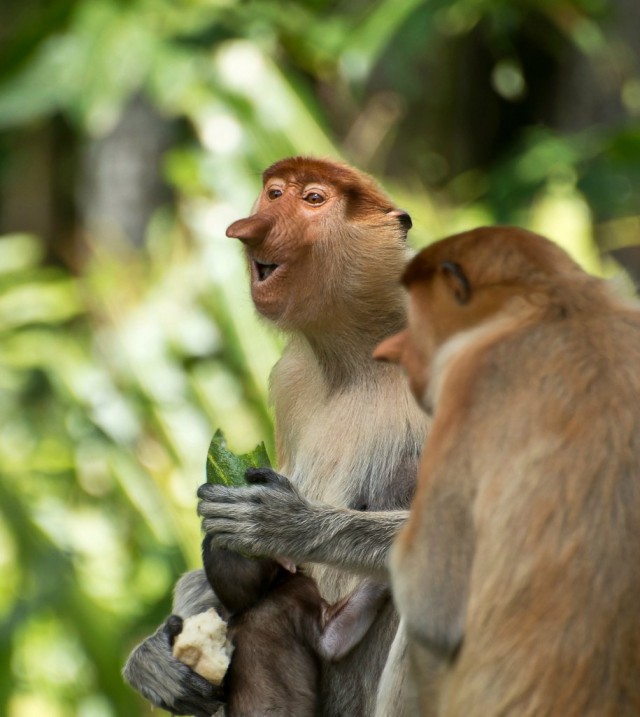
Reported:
(217, 526)
(218, 493)
(268, 477)
(168, 683)
(222, 494)
(226, 540)
(199, 697)
(225, 511)
(173, 627)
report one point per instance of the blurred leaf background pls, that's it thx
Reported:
(131, 133)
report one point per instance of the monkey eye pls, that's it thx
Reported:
(314, 198)
(274, 193)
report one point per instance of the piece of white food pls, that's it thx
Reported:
(203, 645)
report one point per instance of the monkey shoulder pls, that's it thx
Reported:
(581, 346)
(539, 376)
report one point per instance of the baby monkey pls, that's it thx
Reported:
(281, 629)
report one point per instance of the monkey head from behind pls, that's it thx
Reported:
(518, 571)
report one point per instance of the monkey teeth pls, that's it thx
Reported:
(264, 270)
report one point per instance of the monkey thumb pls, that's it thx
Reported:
(173, 627)
(265, 476)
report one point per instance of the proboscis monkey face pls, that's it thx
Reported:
(311, 216)
(289, 218)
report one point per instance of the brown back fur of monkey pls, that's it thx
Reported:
(519, 568)
(275, 667)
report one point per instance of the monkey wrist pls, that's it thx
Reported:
(355, 540)
(153, 671)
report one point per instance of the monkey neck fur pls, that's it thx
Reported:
(342, 339)
(343, 352)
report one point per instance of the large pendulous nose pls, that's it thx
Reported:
(251, 231)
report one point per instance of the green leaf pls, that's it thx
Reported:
(227, 468)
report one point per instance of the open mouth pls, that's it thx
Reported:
(264, 270)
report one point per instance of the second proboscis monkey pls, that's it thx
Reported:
(325, 249)
(518, 572)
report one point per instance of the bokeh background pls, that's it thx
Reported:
(131, 133)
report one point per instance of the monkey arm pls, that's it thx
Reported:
(271, 518)
(193, 594)
(432, 560)
(152, 669)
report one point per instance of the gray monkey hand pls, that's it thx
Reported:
(268, 518)
(167, 683)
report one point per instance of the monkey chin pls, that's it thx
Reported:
(267, 305)
(266, 289)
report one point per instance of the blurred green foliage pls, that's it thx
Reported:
(113, 373)
(108, 394)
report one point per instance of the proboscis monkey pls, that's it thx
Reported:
(325, 248)
(518, 572)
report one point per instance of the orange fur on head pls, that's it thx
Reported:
(313, 217)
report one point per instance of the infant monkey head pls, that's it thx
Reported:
(238, 581)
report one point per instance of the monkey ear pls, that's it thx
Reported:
(457, 281)
(403, 217)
